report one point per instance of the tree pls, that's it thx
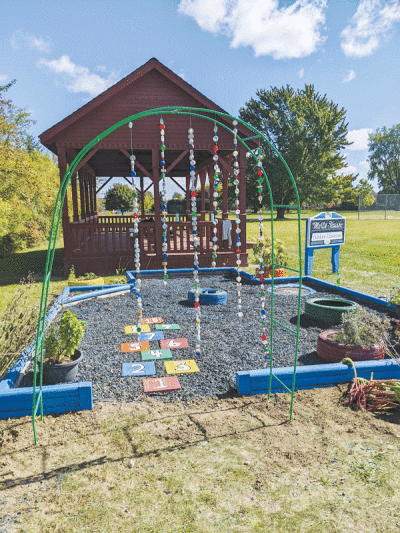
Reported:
(384, 158)
(177, 196)
(119, 198)
(28, 181)
(148, 202)
(309, 132)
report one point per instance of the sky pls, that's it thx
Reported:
(64, 53)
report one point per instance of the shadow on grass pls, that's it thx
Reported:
(19, 264)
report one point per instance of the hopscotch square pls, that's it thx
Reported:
(167, 384)
(133, 329)
(138, 369)
(168, 327)
(181, 367)
(153, 320)
(150, 355)
(152, 336)
(174, 344)
(134, 346)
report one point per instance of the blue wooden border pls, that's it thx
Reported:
(309, 377)
(15, 403)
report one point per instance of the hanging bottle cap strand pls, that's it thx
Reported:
(164, 235)
(136, 238)
(235, 164)
(193, 194)
(261, 238)
(215, 199)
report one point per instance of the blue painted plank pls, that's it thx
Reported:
(257, 381)
(56, 399)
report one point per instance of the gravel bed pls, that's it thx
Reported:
(229, 344)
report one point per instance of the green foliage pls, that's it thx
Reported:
(18, 324)
(28, 181)
(70, 333)
(384, 158)
(309, 132)
(87, 275)
(71, 275)
(177, 196)
(394, 296)
(363, 328)
(265, 248)
(119, 197)
(148, 202)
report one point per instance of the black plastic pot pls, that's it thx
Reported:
(61, 372)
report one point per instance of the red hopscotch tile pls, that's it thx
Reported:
(166, 384)
(173, 344)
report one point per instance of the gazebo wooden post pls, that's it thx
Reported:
(203, 174)
(62, 166)
(157, 208)
(75, 216)
(224, 194)
(187, 197)
(142, 213)
(82, 195)
(91, 199)
(242, 197)
(211, 192)
(95, 212)
(87, 200)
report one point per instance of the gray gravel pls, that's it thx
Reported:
(229, 344)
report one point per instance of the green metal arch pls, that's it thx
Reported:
(170, 110)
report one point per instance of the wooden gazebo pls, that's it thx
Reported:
(102, 243)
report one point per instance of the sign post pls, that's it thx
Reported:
(325, 230)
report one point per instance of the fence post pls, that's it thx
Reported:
(385, 204)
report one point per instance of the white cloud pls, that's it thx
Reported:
(350, 76)
(359, 138)
(81, 80)
(301, 73)
(20, 39)
(371, 23)
(282, 32)
(3, 78)
(346, 171)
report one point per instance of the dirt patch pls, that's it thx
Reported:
(213, 465)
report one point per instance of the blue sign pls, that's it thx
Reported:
(325, 230)
(153, 336)
(138, 369)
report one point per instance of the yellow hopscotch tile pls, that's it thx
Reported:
(181, 367)
(133, 329)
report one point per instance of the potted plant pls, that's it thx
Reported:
(362, 336)
(90, 278)
(264, 249)
(61, 356)
(394, 298)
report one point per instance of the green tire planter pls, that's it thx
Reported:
(328, 310)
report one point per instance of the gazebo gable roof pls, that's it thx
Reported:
(49, 137)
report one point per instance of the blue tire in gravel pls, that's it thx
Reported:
(208, 296)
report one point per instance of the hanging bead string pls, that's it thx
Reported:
(261, 244)
(164, 202)
(237, 212)
(136, 235)
(215, 198)
(193, 194)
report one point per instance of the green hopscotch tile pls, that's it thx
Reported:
(168, 327)
(151, 355)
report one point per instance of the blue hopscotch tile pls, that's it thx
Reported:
(138, 369)
(152, 336)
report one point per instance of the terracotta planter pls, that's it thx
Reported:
(331, 351)
(62, 372)
(279, 273)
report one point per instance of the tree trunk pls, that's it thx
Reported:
(280, 213)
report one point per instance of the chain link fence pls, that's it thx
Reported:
(386, 206)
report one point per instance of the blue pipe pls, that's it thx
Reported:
(108, 290)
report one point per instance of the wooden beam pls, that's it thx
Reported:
(104, 184)
(180, 186)
(174, 163)
(86, 159)
(146, 173)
